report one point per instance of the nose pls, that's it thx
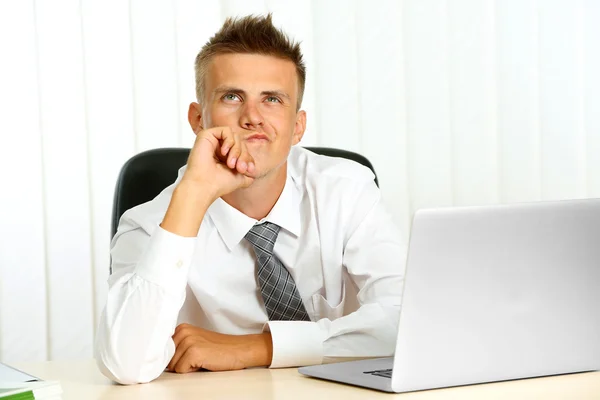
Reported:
(251, 118)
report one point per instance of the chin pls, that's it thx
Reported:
(272, 169)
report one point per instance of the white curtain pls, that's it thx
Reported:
(455, 102)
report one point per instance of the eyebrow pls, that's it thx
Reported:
(278, 93)
(231, 89)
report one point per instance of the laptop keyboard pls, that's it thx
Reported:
(384, 373)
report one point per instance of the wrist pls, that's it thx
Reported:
(201, 194)
(186, 210)
(258, 350)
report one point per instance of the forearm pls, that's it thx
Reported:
(133, 343)
(144, 299)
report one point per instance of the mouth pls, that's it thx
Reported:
(257, 137)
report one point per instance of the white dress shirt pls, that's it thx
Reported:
(335, 237)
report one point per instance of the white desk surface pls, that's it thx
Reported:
(81, 380)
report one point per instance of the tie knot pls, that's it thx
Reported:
(263, 237)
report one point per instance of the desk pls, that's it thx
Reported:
(81, 380)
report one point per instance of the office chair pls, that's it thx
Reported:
(146, 174)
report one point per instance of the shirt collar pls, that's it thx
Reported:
(233, 225)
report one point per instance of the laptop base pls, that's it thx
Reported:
(358, 373)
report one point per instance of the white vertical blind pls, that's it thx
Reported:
(591, 98)
(429, 147)
(337, 93)
(23, 291)
(155, 74)
(110, 124)
(518, 115)
(560, 97)
(63, 115)
(382, 100)
(472, 100)
(455, 102)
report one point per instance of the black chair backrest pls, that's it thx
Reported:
(146, 174)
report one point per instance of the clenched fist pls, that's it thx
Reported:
(219, 162)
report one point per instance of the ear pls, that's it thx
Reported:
(195, 117)
(299, 128)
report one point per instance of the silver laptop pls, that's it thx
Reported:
(492, 293)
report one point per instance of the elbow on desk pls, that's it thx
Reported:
(121, 366)
(122, 373)
(120, 357)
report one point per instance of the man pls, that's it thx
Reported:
(243, 261)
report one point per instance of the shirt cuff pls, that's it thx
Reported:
(167, 261)
(295, 343)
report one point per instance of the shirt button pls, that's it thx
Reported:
(179, 264)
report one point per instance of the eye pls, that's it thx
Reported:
(231, 97)
(273, 99)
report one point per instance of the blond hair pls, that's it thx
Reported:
(250, 35)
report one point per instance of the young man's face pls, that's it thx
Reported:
(256, 96)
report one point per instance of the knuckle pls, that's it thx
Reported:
(187, 341)
(184, 327)
(179, 328)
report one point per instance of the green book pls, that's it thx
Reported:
(16, 394)
(40, 390)
(18, 385)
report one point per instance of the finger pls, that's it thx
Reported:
(201, 140)
(175, 358)
(216, 136)
(246, 181)
(234, 155)
(251, 168)
(241, 166)
(227, 139)
(223, 139)
(191, 360)
(179, 351)
(228, 143)
(221, 132)
(181, 332)
(244, 161)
